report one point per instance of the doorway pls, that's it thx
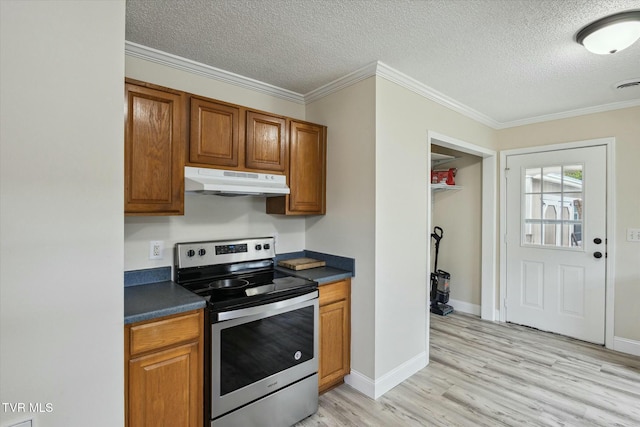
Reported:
(556, 215)
(488, 213)
(556, 241)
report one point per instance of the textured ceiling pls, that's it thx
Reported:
(510, 60)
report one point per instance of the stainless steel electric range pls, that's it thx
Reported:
(262, 358)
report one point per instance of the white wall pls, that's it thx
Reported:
(348, 228)
(209, 217)
(624, 125)
(377, 212)
(61, 187)
(403, 119)
(401, 230)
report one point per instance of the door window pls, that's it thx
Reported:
(553, 206)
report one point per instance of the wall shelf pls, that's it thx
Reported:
(438, 159)
(444, 187)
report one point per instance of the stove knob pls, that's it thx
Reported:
(191, 253)
(201, 252)
(258, 247)
(267, 246)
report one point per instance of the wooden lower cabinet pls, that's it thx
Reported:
(164, 371)
(335, 334)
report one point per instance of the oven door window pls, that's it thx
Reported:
(252, 351)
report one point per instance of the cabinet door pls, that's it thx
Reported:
(164, 388)
(265, 142)
(154, 152)
(334, 361)
(335, 333)
(214, 133)
(307, 168)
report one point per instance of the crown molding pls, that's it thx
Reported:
(354, 77)
(376, 68)
(163, 58)
(381, 69)
(571, 113)
(415, 86)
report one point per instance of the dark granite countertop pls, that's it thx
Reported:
(321, 275)
(337, 267)
(153, 300)
(150, 293)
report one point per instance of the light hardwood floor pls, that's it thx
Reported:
(494, 374)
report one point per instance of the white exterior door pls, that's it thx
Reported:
(556, 242)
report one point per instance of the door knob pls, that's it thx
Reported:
(597, 240)
(597, 254)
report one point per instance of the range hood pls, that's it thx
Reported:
(232, 183)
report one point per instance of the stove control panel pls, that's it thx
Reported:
(200, 254)
(233, 249)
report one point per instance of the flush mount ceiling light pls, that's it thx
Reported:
(612, 33)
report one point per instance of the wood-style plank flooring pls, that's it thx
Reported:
(498, 374)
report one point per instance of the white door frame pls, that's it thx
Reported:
(611, 243)
(489, 211)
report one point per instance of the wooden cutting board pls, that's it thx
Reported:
(301, 263)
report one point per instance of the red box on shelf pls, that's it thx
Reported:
(444, 176)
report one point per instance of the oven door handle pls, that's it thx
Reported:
(265, 308)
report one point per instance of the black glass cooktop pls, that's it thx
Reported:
(249, 289)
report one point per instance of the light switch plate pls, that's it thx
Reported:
(633, 234)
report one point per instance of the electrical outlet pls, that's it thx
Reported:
(633, 234)
(156, 247)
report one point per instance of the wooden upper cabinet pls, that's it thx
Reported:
(154, 150)
(265, 142)
(307, 172)
(214, 133)
(159, 121)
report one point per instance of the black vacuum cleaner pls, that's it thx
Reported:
(439, 281)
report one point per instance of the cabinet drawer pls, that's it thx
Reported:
(163, 333)
(333, 292)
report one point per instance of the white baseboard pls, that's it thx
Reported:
(626, 345)
(362, 383)
(465, 307)
(375, 389)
